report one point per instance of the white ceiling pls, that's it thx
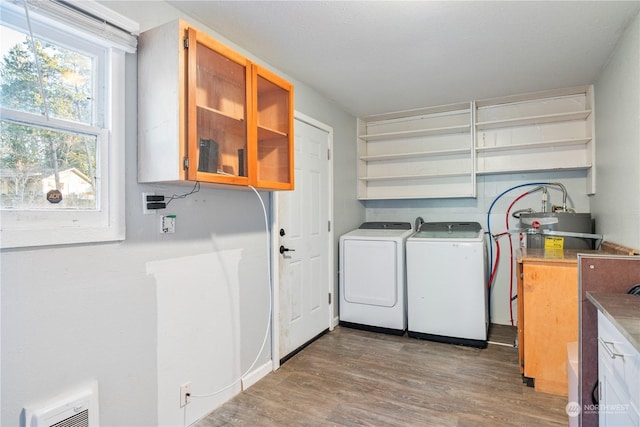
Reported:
(382, 56)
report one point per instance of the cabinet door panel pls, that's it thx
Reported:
(274, 134)
(218, 82)
(615, 407)
(621, 359)
(550, 322)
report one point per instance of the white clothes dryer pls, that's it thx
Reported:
(372, 277)
(447, 283)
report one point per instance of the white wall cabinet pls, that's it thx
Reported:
(437, 152)
(424, 153)
(618, 376)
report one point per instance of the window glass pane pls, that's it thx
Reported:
(46, 169)
(67, 76)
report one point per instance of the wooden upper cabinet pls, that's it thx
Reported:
(218, 95)
(274, 118)
(219, 117)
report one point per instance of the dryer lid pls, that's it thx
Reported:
(449, 230)
(386, 226)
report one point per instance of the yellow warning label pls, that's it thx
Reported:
(554, 243)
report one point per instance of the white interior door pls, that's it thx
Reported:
(302, 232)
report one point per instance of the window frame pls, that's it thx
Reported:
(33, 228)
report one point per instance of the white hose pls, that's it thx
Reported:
(266, 332)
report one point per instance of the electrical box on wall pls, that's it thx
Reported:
(76, 408)
(168, 224)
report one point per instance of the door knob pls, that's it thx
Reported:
(283, 249)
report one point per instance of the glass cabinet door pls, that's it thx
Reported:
(217, 117)
(274, 101)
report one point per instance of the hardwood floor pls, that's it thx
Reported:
(502, 334)
(354, 378)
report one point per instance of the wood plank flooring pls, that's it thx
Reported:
(502, 334)
(357, 378)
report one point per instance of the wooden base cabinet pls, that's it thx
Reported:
(548, 320)
(208, 114)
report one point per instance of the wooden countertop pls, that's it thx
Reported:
(565, 256)
(570, 256)
(623, 310)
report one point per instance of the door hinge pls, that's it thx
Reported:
(185, 163)
(329, 298)
(185, 43)
(328, 225)
(328, 154)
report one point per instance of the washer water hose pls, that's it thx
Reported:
(268, 323)
(540, 186)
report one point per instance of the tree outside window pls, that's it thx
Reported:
(41, 158)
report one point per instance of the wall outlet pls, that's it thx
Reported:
(168, 224)
(185, 394)
(146, 211)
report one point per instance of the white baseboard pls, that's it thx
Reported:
(256, 375)
(335, 322)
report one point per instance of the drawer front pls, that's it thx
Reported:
(621, 357)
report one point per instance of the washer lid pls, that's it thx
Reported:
(449, 230)
(386, 226)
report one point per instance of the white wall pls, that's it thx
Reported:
(617, 202)
(74, 313)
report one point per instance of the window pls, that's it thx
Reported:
(62, 123)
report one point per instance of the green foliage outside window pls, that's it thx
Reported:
(35, 156)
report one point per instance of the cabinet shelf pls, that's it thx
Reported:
(417, 176)
(439, 151)
(417, 133)
(542, 168)
(415, 154)
(266, 133)
(441, 110)
(419, 196)
(534, 145)
(221, 113)
(382, 157)
(543, 131)
(535, 120)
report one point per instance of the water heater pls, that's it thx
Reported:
(536, 224)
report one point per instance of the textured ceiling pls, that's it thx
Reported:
(378, 56)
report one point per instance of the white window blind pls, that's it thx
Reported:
(108, 27)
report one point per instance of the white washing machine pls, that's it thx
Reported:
(447, 283)
(372, 277)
